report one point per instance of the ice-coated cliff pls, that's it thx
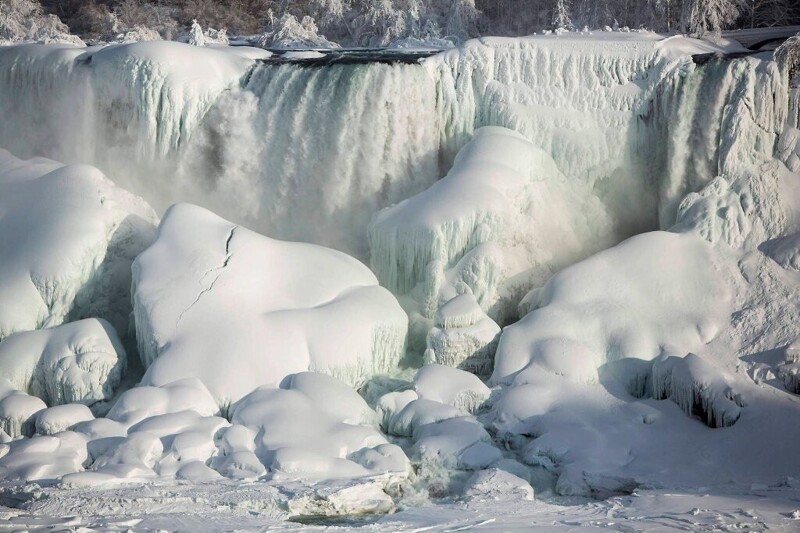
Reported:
(238, 310)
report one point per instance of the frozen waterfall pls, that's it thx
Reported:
(355, 138)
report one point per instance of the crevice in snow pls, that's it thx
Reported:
(218, 270)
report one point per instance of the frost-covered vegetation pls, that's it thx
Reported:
(401, 23)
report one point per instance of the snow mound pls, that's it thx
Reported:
(208, 287)
(61, 418)
(68, 236)
(78, 362)
(143, 402)
(297, 438)
(464, 336)
(451, 386)
(18, 411)
(659, 293)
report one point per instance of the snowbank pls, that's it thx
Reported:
(238, 310)
(78, 362)
(68, 236)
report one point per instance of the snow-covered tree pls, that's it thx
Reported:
(24, 20)
(561, 18)
(704, 16)
(462, 19)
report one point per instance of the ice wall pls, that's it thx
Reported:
(640, 123)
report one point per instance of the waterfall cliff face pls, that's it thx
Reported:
(312, 153)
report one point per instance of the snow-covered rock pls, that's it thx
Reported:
(697, 387)
(141, 403)
(62, 418)
(210, 291)
(464, 336)
(78, 362)
(68, 236)
(451, 386)
(44, 457)
(296, 438)
(659, 293)
(495, 484)
(18, 411)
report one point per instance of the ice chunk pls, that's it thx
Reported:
(494, 484)
(78, 362)
(208, 287)
(44, 457)
(61, 418)
(68, 236)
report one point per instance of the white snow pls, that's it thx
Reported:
(208, 287)
(658, 376)
(78, 362)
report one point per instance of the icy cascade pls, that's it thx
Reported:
(335, 144)
(722, 117)
(356, 138)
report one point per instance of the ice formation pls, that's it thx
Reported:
(697, 387)
(209, 287)
(503, 207)
(78, 362)
(67, 239)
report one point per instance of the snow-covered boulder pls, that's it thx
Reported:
(238, 310)
(785, 251)
(451, 386)
(503, 207)
(68, 236)
(141, 403)
(18, 412)
(697, 387)
(78, 362)
(297, 438)
(44, 457)
(61, 418)
(464, 336)
(655, 293)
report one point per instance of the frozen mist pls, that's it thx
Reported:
(548, 280)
